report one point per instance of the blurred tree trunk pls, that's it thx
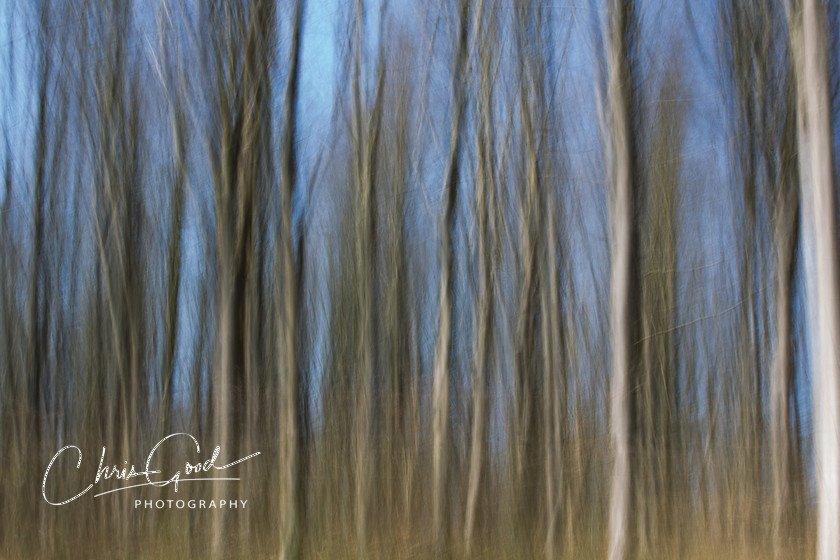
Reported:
(240, 79)
(757, 65)
(533, 341)
(659, 409)
(624, 277)
(118, 210)
(443, 350)
(484, 300)
(782, 380)
(398, 309)
(807, 21)
(555, 425)
(366, 135)
(293, 485)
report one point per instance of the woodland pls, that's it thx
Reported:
(465, 279)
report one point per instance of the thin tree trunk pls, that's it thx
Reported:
(292, 497)
(623, 281)
(366, 129)
(440, 374)
(483, 316)
(781, 378)
(555, 399)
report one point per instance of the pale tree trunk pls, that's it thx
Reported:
(483, 314)
(555, 434)
(440, 374)
(622, 278)
(808, 38)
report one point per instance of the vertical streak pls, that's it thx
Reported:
(292, 496)
(440, 375)
(621, 277)
(820, 227)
